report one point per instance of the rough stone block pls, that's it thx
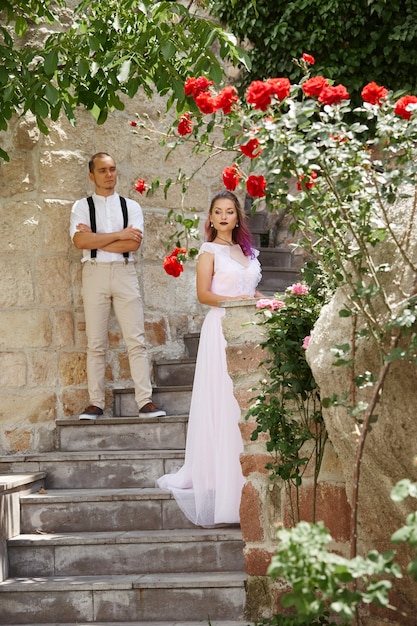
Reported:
(53, 282)
(257, 561)
(251, 514)
(16, 282)
(21, 234)
(13, 369)
(156, 332)
(31, 328)
(43, 368)
(332, 508)
(255, 463)
(72, 368)
(63, 329)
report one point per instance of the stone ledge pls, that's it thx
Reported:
(10, 482)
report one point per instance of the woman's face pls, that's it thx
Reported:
(224, 215)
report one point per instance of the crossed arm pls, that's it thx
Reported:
(126, 240)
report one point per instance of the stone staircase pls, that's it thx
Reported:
(99, 544)
(280, 267)
(96, 543)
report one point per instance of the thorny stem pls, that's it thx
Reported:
(375, 397)
(401, 249)
(411, 222)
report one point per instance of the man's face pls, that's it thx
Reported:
(104, 175)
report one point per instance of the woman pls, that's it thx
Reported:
(208, 486)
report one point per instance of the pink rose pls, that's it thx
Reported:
(272, 305)
(298, 289)
(306, 342)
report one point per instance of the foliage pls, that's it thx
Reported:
(408, 533)
(99, 52)
(322, 580)
(342, 172)
(354, 42)
(288, 406)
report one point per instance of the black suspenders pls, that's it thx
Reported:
(93, 221)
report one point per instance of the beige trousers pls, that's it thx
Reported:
(105, 285)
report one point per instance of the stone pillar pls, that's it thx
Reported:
(264, 503)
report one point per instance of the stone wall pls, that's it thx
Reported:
(264, 501)
(42, 338)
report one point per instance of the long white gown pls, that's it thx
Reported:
(208, 486)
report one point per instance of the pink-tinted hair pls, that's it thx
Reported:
(241, 233)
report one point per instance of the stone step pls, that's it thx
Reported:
(100, 510)
(96, 469)
(174, 372)
(175, 400)
(169, 623)
(146, 598)
(277, 279)
(122, 433)
(134, 552)
(191, 344)
(276, 257)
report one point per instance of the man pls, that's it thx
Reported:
(109, 278)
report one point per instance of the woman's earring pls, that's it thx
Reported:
(237, 225)
(211, 224)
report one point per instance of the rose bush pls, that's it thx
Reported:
(338, 170)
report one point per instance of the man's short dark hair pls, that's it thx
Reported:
(98, 155)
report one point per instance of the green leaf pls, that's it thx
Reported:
(41, 108)
(51, 63)
(20, 26)
(51, 94)
(168, 50)
(123, 74)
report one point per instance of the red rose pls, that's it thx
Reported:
(313, 86)
(259, 94)
(140, 185)
(308, 58)
(373, 93)
(280, 87)
(226, 99)
(185, 125)
(172, 266)
(194, 86)
(231, 177)
(310, 182)
(179, 251)
(402, 104)
(255, 186)
(333, 94)
(205, 102)
(249, 148)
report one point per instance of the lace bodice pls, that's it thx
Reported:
(231, 278)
